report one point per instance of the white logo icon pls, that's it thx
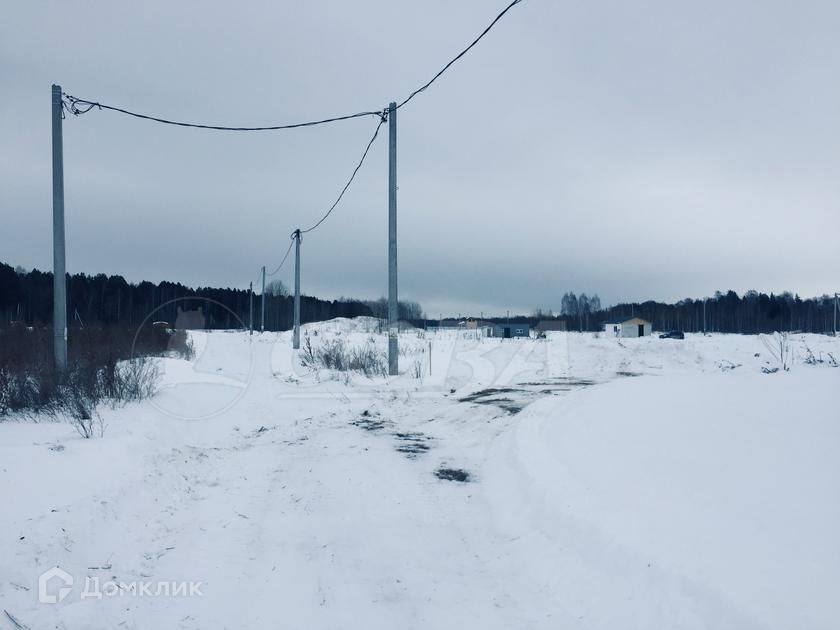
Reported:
(44, 581)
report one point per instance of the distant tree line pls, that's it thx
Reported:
(728, 312)
(26, 297)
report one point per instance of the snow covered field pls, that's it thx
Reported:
(638, 483)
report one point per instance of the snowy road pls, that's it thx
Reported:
(314, 503)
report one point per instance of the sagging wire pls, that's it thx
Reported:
(382, 120)
(282, 262)
(79, 106)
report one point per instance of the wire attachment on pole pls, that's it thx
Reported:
(71, 103)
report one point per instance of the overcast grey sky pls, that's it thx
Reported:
(639, 150)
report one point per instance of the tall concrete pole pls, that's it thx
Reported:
(250, 308)
(262, 314)
(393, 308)
(59, 265)
(296, 337)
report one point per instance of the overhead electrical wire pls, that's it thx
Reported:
(384, 114)
(78, 106)
(282, 262)
(461, 54)
(352, 177)
(296, 233)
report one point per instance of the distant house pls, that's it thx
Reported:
(548, 325)
(633, 327)
(506, 331)
(481, 327)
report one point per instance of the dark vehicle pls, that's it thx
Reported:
(674, 334)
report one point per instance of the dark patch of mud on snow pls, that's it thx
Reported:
(369, 422)
(412, 443)
(495, 396)
(561, 383)
(515, 398)
(452, 474)
(409, 443)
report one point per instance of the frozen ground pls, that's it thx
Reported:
(637, 484)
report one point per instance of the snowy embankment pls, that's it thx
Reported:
(679, 501)
(698, 492)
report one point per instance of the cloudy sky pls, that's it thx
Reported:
(654, 149)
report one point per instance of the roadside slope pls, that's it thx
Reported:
(679, 501)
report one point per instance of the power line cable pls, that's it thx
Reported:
(78, 106)
(282, 262)
(461, 54)
(383, 118)
(296, 234)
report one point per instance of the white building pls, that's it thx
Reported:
(633, 327)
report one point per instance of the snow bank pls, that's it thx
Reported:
(688, 502)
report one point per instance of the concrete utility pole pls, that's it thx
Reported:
(59, 266)
(393, 304)
(262, 308)
(250, 308)
(296, 337)
(430, 357)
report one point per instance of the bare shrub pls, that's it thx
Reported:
(78, 401)
(307, 355)
(778, 345)
(28, 379)
(811, 359)
(103, 365)
(333, 354)
(368, 360)
(136, 379)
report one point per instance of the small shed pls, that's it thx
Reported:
(483, 328)
(633, 327)
(506, 331)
